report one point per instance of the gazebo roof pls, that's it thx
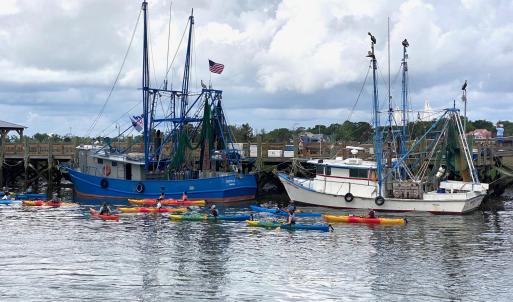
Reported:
(11, 126)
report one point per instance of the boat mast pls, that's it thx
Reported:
(390, 110)
(405, 96)
(186, 74)
(145, 88)
(377, 130)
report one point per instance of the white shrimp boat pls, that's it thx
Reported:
(409, 182)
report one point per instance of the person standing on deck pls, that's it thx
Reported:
(500, 134)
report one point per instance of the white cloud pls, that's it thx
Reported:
(285, 61)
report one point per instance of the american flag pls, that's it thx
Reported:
(137, 122)
(215, 67)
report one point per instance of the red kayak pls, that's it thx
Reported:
(104, 217)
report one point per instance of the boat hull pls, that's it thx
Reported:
(438, 205)
(90, 189)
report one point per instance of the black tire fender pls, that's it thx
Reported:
(379, 200)
(349, 197)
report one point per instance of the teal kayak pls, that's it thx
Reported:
(199, 217)
(9, 201)
(296, 226)
(281, 212)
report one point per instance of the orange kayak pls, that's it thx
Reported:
(167, 202)
(358, 219)
(94, 213)
(153, 210)
(41, 203)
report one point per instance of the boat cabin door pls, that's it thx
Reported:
(128, 171)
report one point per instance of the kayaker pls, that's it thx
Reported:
(291, 206)
(184, 195)
(105, 210)
(292, 217)
(6, 196)
(371, 214)
(55, 198)
(213, 211)
(161, 197)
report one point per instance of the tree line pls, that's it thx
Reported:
(346, 132)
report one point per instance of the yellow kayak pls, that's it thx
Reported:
(152, 210)
(358, 219)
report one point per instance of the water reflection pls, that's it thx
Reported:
(149, 258)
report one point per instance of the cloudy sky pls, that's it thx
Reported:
(287, 63)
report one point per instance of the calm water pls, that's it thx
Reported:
(63, 255)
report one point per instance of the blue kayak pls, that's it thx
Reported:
(199, 217)
(281, 212)
(32, 196)
(9, 201)
(296, 226)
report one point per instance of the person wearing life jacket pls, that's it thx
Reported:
(104, 209)
(213, 211)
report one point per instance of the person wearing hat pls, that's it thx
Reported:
(291, 206)
(213, 211)
(371, 214)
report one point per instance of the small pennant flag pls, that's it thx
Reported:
(137, 122)
(215, 67)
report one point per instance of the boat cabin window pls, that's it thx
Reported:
(358, 173)
(323, 170)
(100, 160)
(319, 170)
(327, 170)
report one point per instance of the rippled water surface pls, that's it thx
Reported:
(62, 254)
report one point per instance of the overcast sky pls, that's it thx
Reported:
(287, 63)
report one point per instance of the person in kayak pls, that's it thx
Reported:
(371, 214)
(161, 197)
(292, 217)
(6, 196)
(291, 206)
(55, 198)
(184, 195)
(105, 209)
(213, 211)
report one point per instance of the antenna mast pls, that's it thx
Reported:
(405, 96)
(145, 88)
(377, 130)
